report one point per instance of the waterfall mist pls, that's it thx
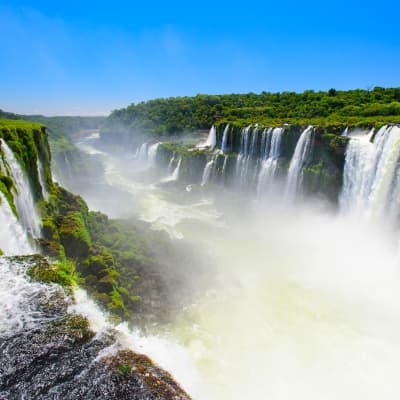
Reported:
(295, 299)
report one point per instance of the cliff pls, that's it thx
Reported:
(110, 259)
(241, 153)
(57, 355)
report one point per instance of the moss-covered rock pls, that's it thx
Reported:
(158, 383)
(60, 272)
(28, 141)
(74, 235)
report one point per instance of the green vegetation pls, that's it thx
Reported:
(74, 326)
(184, 114)
(60, 272)
(105, 254)
(28, 141)
(60, 129)
(113, 260)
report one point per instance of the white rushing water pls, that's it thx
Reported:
(17, 300)
(300, 156)
(142, 153)
(212, 138)
(272, 150)
(211, 141)
(292, 317)
(243, 158)
(152, 153)
(19, 311)
(23, 197)
(207, 172)
(167, 354)
(371, 180)
(171, 163)
(42, 182)
(224, 143)
(300, 304)
(13, 238)
(175, 172)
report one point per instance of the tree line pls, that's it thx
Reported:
(184, 114)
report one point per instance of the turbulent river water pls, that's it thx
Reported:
(302, 301)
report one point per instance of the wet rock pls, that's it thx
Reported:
(59, 357)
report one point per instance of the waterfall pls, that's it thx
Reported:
(175, 173)
(300, 157)
(207, 172)
(17, 308)
(212, 138)
(266, 142)
(224, 144)
(68, 167)
(211, 141)
(171, 163)
(42, 182)
(253, 142)
(23, 197)
(13, 238)
(272, 148)
(224, 166)
(152, 154)
(142, 154)
(244, 141)
(243, 159)
(371, 177)
(356, 172)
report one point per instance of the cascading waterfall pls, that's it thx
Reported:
(212, 138)
(211, 141)
(13, 238)
(142, 154)
(272, 148)
(17, 310)
(324, 292)
(243, 159)
(28, 311)
(265, 142)
(68, 168)
(171, 163)
(27, 307)
(371, 178)
(23, 197)
(152, 153)
(175, 173)
(224, 166)
(224, 143)
(207, 172)
(45, 192)
(300, 157)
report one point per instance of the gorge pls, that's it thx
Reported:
(256, 259)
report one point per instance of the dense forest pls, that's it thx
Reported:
(184, 114)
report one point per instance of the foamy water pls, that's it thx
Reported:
(302, 303)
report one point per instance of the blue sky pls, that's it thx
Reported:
(65, 57)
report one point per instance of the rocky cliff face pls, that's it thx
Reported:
(46, 351)
(29, 145)
(53, 353)
(245, 157)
